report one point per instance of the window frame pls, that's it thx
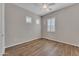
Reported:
(28, 19)
(51, 26)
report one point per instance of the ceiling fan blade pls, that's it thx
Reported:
(50, 4)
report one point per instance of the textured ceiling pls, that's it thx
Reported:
(37, 7)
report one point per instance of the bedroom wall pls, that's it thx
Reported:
(16, 28)
(67, 25)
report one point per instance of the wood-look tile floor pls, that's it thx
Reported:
(42, 47)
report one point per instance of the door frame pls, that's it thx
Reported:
(3, 28)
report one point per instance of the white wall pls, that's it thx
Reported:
(67, 25)
(17, 30)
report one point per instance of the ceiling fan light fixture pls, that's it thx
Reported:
(45, 6)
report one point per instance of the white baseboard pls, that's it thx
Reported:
(21, 42)
(45, 38)
(62, 42)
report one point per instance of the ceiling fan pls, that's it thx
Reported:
(47, 6)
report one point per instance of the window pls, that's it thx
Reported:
(51, 25)
(28, 19)
(37, 21)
